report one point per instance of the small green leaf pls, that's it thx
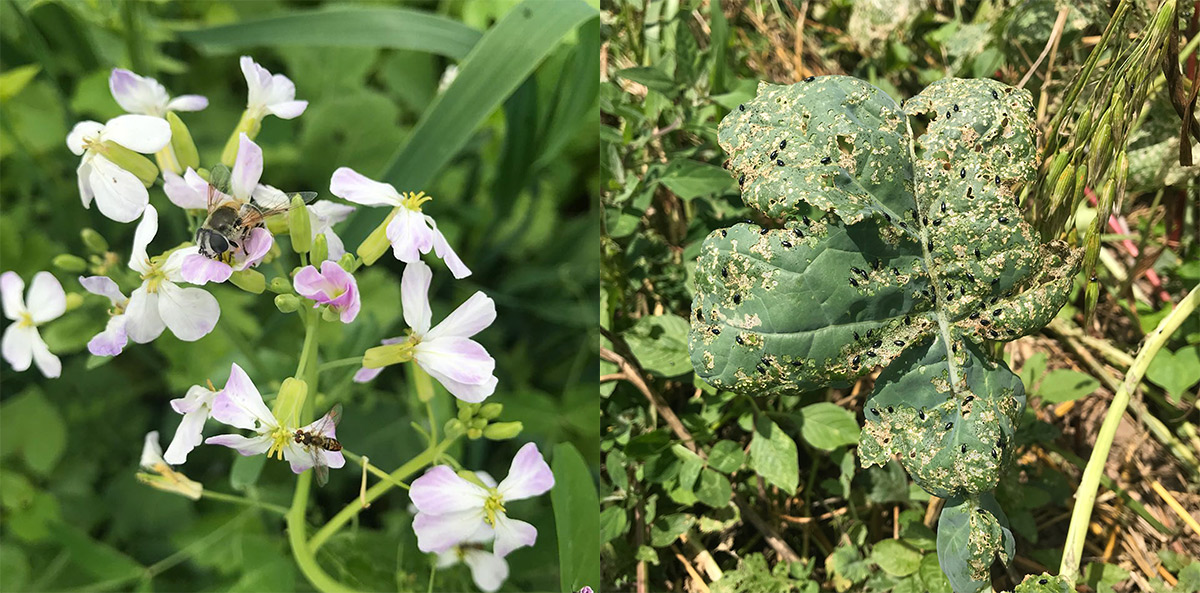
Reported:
(932, 577)
(667, 529)
(896, 558)
(659, 342)
(689, 179)
(31, 424)
(1044, 583)
(576, 519)
(614, 522)
(1101, 576)
(828, 426)
(650, 77)
(968, 540)
(714, 489)
(726, 456)
(1064, 385)
(1175, 372)
(14, 80)
(96, 558)
(773, 455)
(246, 470)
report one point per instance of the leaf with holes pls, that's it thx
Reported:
(970, 537)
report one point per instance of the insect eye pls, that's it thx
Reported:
(218, 243)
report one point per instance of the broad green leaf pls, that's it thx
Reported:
(576, 519)
(1063, 385)
(347, 26)
(246, 470)
(968, 540)
(726, 456)
(95, 558)
(614, 522)
(15, 79)
(1175, 372)
(828, 426)
(1101, 576)
(932, 577)
(714, 489)
(896, 558)
(773, 455)
(659, 342)
(493, 69)
(665, 530)
(1044, 583)
(689, 179)
(29, 423)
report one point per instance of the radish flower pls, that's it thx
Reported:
(22, 344)
(323, 215)
(274, 94)
(113, 339)
(159, 303)
(119, 194)
(162, 476)
(488, 570)
(331, 286)
(196, 407)
(145, 96)
(410, 232)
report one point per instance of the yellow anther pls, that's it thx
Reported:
(26, 320)
(414, 200)
(493, 505)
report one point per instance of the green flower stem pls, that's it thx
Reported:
(1085, 495)
(351, 510)
(235, 499)
(379, 473)
(341, 362)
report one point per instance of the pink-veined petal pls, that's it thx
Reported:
(512, 534)
(190, 313)
(351, 185)
(12, 292)
(334, 459)
(139, 260)
(119, 194)
(46, 298)
(240, 404)
(141, 133)
(296, 455)
(246, 446)
(488, 570)
(197, 397)
(182, 190)
(414, 296)
(365, 375)
(461, 359)
(326, 213)
(188, 436)
(80, 133)
(200, 270)
(438, 533)
(255, 248)
(17, 345)
(47, 363)
(470, 318)
(112, 340)
(528, 475)
(442, 249)
(142, 320)
(137, 94)
(409, 235)
(310, 284)
(103, 286)
(471, 393)
(172, 268)
(247, 169)
(440, 491)
(188, 103)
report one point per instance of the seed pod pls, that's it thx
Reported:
(145, 170)
(299, 226)
(182, 144)
(1056, 167)
(1063, 188)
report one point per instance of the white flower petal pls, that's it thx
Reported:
(172, 268)
(351, 185)
(287, 109)
(190, 313)
(528, 476)
(119, 194)
(440, 491)
(188, 436)
(137, 94)
(46, 362)
(17, 345)
(247, 169)
(471, 393)
(139, 260)
(414, 296)
(47, 300)
(142, 320)
(142, 133)
(12, 292)
(103, 286)
(112, 340)
(197, 397)
(246, 446)
(410, 235)
(438, 533)
(83, 177)
(240, 404)
(488, 570)
(183, 192)
(512, 534)
(442, 249)
(188, 103)
(336, 248)
(470, 318)
(81, 132)
(461, 359)
(151, 451)
(328, 213)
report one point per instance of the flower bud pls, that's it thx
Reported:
(454, 428)
(349, 262)
(474, 434)
(290, 401)
(251, 281)
(93, 241)
(181, 142)
(74, 300)
(490, 411)
(328, 314)
(381, 356)
(465, 414)
(320, 249)
(377, 242)
(479, 423)
(70, 263)
(280, 285)
(501, 431)
(172, 481)
(287, 303)
(299, 226)
(142, 167)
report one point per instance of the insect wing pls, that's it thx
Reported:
(329, 421)
(323, 427)
(320, 468)
(219, 177)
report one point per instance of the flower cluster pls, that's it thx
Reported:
(457, 514)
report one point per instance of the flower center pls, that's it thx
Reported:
(26, 320)
(280, 437)
(492, 506)
(153, 279)
(413, 200)
(93, 144)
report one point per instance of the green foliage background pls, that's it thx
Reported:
(517, 200)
